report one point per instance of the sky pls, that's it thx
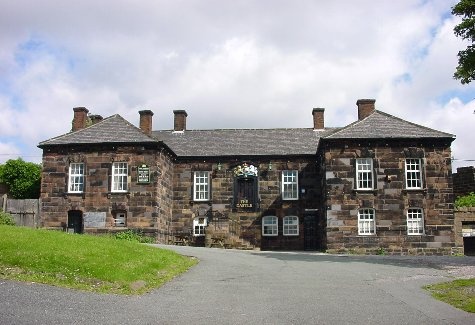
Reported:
(229, 64)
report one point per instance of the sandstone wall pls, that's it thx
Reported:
(464, 181)
(390, 199)
(464, 215)
(222, 205)
(148, 206)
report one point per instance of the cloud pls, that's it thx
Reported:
(8, 151)
(233, 64)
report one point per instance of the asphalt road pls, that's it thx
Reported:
(248, 287)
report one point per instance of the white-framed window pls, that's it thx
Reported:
(415, 221)
(199, 225)
(120, 219)
(201, 186)
(76, 178)
(120, 176)
(366, 222)
(291, 226)
(364, 174)
(290, 185)
(413, 173)
(269, 226)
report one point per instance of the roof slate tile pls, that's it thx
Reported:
(242, 142)
(247, 142)
(114, 129)
(380, 125)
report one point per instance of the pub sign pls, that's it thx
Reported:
(143, 174)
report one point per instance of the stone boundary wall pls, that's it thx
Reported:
(462, 215)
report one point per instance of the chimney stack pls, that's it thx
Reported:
(180, 120)
(95, 119)
(365, 108)
(146, 121)
(318, 118)
(80, 118)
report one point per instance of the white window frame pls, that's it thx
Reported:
(76, 178)
(120, 219)
(364, 174)
(199, 225)
(290, 226)
(270, 226)
(201, 186)
(415, 221)
(290, 185)
(120, 177)
(413, 171)
(366, 222)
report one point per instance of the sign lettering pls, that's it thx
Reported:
(143, 174)
(244, 204)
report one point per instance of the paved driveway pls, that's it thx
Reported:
(245, 287)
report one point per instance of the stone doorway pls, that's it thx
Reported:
(75, 222)
(310, 232)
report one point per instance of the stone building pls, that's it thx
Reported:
(464, 184)
(378, 184)
(464, 181)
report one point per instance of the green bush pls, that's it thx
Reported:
(465, 201)
(134, 236)
(22, 178)
(6, 219)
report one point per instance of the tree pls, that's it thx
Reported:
(22, 178)
(465, 71)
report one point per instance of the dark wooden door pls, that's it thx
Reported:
(245, 194)
(310, 232)
(75, 221)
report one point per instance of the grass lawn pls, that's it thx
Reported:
(458, 293)
(93, 263)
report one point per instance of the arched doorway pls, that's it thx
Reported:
(75, 221)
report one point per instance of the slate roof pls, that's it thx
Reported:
(247, 142)
(380, 125)
(113, 129)
(242, 142)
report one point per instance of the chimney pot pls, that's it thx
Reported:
(179, 120)
(365, 107)
(146, 121)
(80, 118)
(318, 118)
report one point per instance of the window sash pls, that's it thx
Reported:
(366, 222)
(201, 186)
(291, 226)
(199, 225)
(199, 230)
(269, 226)
(76, 178)
(119, 177)
(120, 220)
(290, 185)
(413, 173)
(415, 222)
(364, 174)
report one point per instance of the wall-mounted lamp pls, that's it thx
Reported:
(270, 165)
(219, 166)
